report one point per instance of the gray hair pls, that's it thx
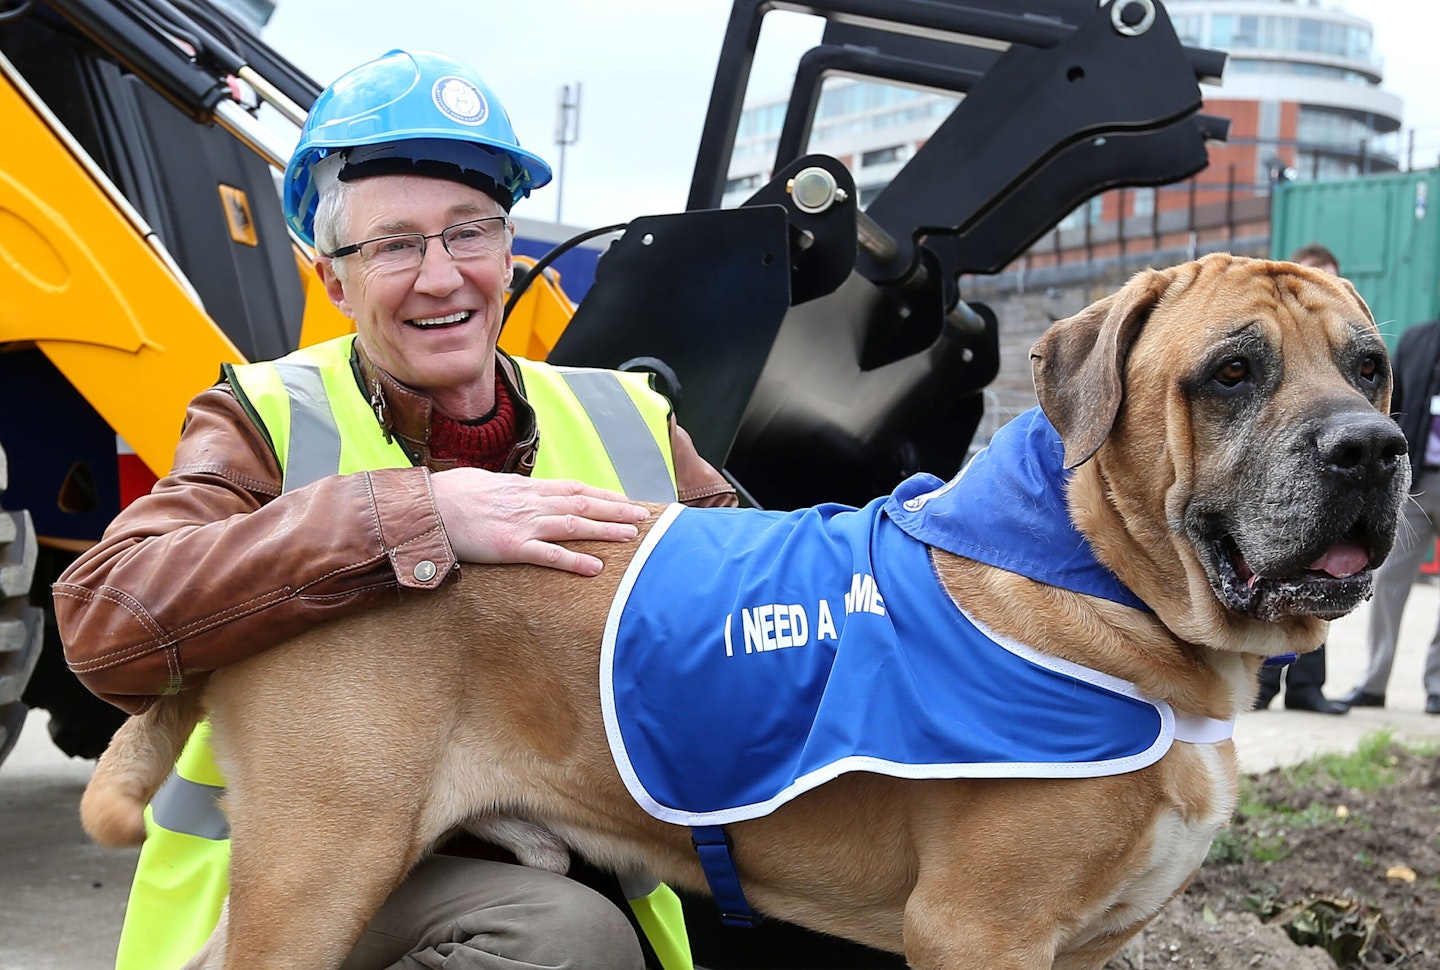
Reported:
(330, 216)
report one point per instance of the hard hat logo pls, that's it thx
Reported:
(460, 100)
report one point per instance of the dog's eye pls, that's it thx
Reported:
(1370, 369)
(1233, 371)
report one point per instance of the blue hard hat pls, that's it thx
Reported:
(408, 111)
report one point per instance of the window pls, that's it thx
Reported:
(1228, 31)
(882, 156)
(1086, 214)
(744, 183)
(1190, 29)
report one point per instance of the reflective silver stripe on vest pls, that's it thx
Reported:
(186, 806)
(637, 458)
(314, 439)
(190, 808)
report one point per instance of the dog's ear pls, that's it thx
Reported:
(1079, 363)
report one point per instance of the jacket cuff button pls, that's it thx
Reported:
(425, 570)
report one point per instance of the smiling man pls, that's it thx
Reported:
(368, 468)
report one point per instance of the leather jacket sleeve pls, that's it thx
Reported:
(697, 482)
(216, 564)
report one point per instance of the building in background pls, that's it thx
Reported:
(872, 128)
(1302, 90)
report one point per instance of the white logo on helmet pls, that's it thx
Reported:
(460, 100)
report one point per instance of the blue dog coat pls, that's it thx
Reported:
(745, 663)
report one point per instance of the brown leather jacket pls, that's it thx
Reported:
(216, 564)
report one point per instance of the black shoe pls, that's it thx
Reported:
(1363, 698)
(1311, 699)
(1432, 704)
(1266, 695)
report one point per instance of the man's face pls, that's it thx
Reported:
(434, 327)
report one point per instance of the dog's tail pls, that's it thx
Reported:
(139, 758)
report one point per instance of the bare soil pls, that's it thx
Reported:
(1313, 874)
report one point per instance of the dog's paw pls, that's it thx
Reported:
(534, 845)
(112, 817)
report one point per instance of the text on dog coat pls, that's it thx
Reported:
(775, 626)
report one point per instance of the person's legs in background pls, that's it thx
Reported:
(1432, 674)
(1269, 686)
(1303, 680)
(1393, 580)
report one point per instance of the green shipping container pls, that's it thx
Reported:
(1384, 230)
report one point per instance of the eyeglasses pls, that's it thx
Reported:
(406, 250)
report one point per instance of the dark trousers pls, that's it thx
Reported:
(1307, 671)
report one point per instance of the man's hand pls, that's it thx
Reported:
(496, 518)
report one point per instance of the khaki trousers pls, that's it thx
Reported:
(475, 914)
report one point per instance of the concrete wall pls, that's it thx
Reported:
(1026, 302)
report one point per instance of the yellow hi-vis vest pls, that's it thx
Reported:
(615, 434)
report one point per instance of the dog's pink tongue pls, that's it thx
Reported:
(1342, 560)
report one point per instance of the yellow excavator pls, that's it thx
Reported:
(140, 247)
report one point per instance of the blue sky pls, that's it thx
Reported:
(645, 67)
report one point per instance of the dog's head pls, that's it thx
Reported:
(1236, 464)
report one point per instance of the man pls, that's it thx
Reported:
(1306, 676)
(367, 469)
(1318, 256)
(1416, 406)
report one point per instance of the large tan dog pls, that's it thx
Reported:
(1234, 466)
